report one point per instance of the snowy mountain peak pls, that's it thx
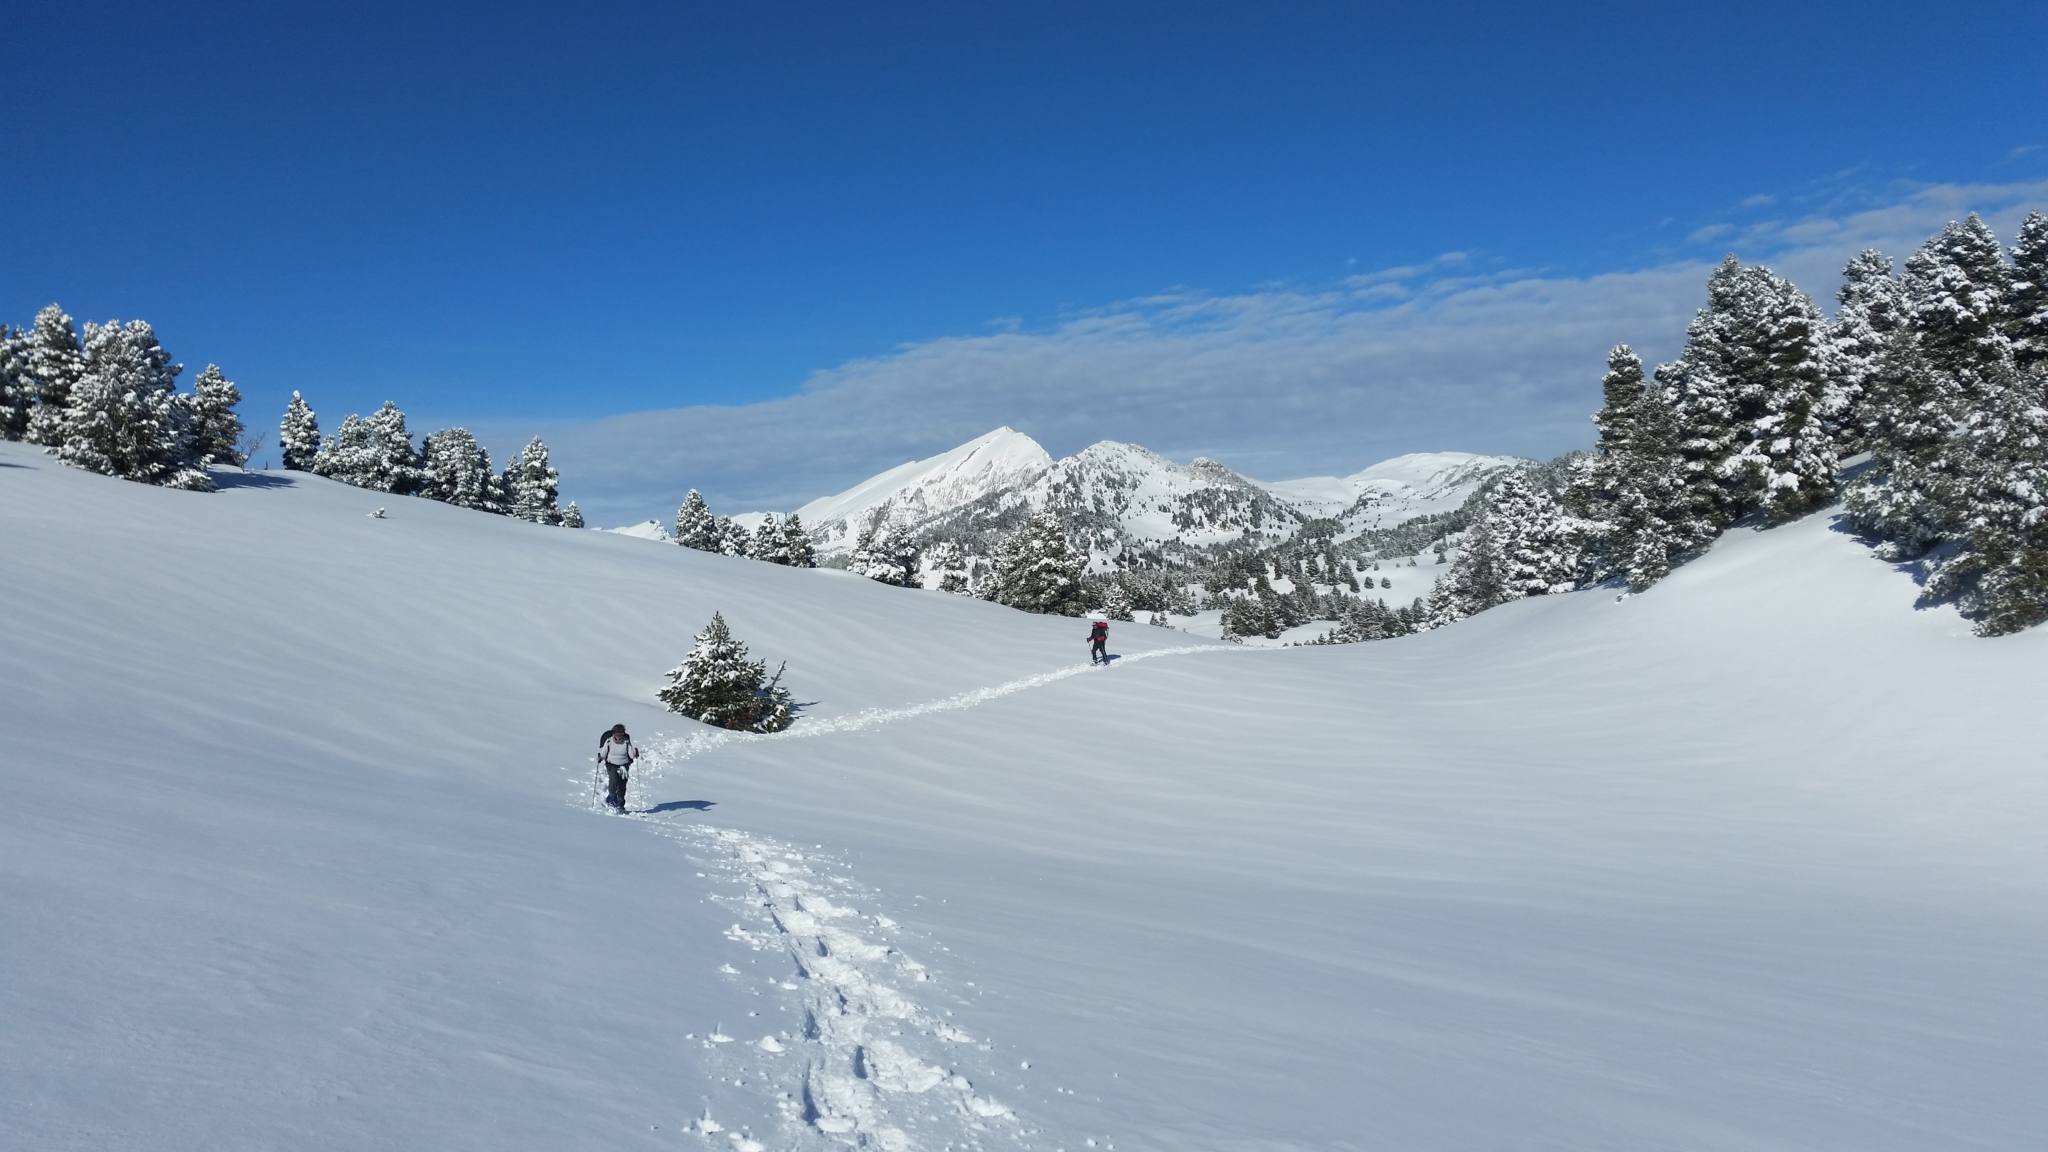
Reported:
(921, 489)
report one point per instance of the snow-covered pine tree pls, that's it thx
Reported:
(1620, 388)
(346, 455)
(1955, 293)
(1116, 602)
(1702, 384)
(532, 486)
(56, 359)
(1898, 498)
(1870, 314)
(125, 418)
(572, 516)
(885, 553)
(767, 541)
(797, 549)
(1160, 618)
(1252, 614)
(1999, 499)
(2027, 307)
(458, 471)
(298, 435)
(1539, 552)
(695, 526)
(732, 539)
(392, 464)
(17, 385)
(1037, 570)
(1785, 463)
(1477, 579)
(1646, 532)
(215, 429)
(718, 684)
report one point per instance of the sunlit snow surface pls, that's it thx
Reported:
(297, 851)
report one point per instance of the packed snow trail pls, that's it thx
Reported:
(868, 1065)
(675, 750)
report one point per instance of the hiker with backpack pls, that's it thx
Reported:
(616, 753)
(1098, 642)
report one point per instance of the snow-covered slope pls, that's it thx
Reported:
(924, 488)
(1393, 491)
(296, 851)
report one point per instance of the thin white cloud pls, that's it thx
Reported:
(1276, 382)
(1760, 200)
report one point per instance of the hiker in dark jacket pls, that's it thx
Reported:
(616, 751)
(1098, 642)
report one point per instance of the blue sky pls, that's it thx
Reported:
(768, 249)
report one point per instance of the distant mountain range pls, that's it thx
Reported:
(1125, 498)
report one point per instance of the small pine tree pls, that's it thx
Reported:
(798, 551)
(531, 486)
(298, 435)
(767, 542)
(732, 539)
(696, 527)
(572, 516)
(56, 361)
(215, 429)
(717, 684)
(885, 553)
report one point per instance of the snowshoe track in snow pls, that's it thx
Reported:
(868, 1065)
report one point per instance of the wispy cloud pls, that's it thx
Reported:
(1277, 382)
(1760, 200)
(2021, 152)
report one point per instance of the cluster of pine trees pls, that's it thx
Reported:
(108, 402)
(1036, 569)
(772, 541)
(1521, 544)
(1941, 374)
(377, 453)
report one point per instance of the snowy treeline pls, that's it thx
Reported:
(774, 542)
(1941, 374)
(108, 402)
(378, 453)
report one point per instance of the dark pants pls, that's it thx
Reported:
(1099, 650)
(615, 787)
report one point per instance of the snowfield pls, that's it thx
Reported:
(297, 850)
